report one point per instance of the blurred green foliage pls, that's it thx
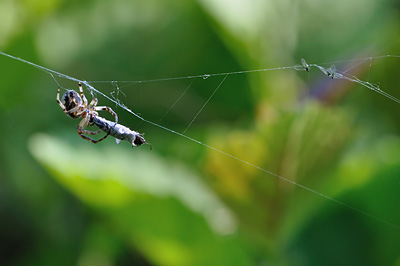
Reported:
(65, 201)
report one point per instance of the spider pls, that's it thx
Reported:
(76, 106)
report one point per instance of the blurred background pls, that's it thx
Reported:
(66, 201)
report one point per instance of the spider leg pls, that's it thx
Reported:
(88, 132)
(81, 131)
(94, 102)
(59, 102)
(85, 101)
(106, 108)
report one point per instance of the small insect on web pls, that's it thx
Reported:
(76, 106)
(333, 73)
(303, 66)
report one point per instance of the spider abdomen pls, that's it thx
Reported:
(72, 101)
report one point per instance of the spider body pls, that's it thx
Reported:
(76, 105)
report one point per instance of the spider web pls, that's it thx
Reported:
(330, 71)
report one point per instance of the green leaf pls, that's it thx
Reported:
(159, 206)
